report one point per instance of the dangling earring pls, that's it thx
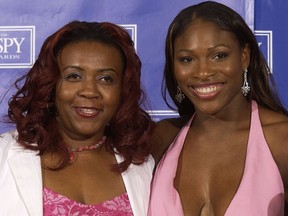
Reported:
(179, 95)
(245, 88)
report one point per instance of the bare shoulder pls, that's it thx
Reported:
(275, 128)
(164, 133)
(275, 125)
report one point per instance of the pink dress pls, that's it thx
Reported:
(57, 204)
(260, 193)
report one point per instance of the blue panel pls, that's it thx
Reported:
(29, 22)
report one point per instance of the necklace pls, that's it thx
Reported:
(73, 151)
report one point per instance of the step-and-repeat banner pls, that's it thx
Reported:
(24, 25)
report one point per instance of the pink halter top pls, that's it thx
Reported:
(260, 193)
(57, 204)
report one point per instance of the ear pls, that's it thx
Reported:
(245, 56)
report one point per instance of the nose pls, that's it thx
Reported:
(89, 89)
(204, 70)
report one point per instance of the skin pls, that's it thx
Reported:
(87, 97)
(208, 66)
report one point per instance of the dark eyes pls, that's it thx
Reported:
(186, 59)
(220, 55)
(106, 79)
(75, 77)
(216, 56)
(72, 77)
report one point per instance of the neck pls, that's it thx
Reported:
(74, 140)
(231, 117)
(73, 152)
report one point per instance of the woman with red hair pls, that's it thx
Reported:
(81, 144)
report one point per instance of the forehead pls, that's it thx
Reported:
(88, 46)
(91, 56)
(93, 50)
(205, 33)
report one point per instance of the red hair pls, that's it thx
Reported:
(32, 108)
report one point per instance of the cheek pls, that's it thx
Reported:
(235, 66)
(181, 73)
(63, 94)
(115, 99)
(233, 71)
(112, 104)
(111, 96)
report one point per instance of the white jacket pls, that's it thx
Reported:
(21, 181)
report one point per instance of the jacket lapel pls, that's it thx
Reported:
(137, 180)
(25, 167)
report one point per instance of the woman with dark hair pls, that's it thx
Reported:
(82, 141)
(229, 147)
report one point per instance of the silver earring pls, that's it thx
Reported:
(245, 88)
(179, 95)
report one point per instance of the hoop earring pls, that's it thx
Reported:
(179, 95)
(245, 88)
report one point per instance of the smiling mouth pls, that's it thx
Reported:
(87, 112)
(207, 89)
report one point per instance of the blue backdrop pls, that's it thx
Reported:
(24, 25)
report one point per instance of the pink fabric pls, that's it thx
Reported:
(57, 204)
(260, 193)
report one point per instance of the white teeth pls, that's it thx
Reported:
(88, 111)
(206, 90)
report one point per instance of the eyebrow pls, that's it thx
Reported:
(209, 48)
(218, 45)
(73, 67)
(98, 70)
(107, 69)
